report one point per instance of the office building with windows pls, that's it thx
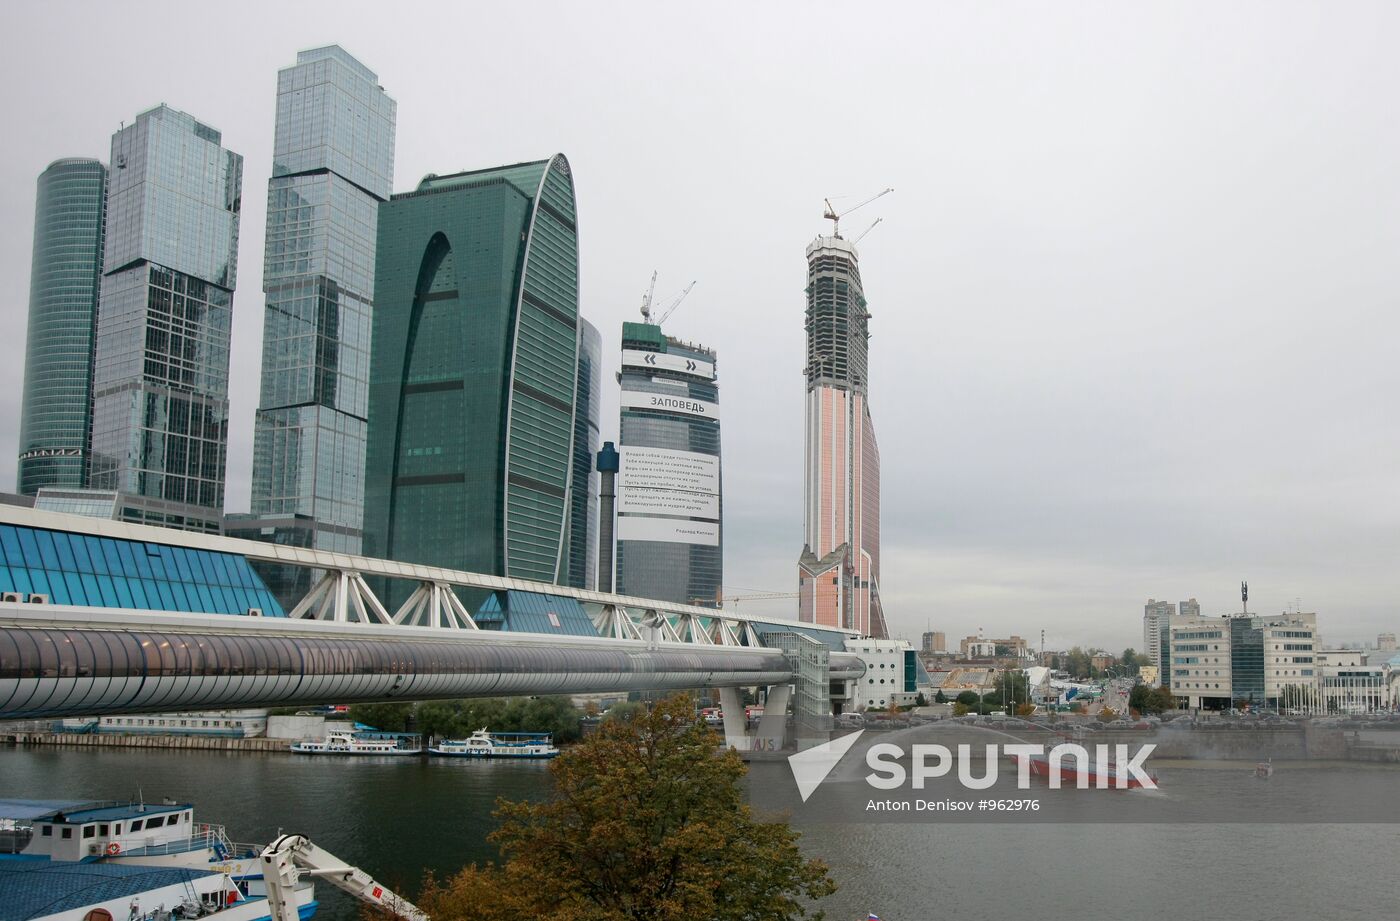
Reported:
(669, 505)
(333, 164)
(838, 572)
(473, 373)
(583, 491)
(332, 167)
(55, 429)
(160, 365)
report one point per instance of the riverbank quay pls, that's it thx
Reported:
(26, 738)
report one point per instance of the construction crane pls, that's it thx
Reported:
(861, 236)
(835, 218)
(648, 302)
(290, 857)
(733, 600)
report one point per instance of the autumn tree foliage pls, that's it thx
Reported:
(647, 823)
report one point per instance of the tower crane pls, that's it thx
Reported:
(861, 236)
(835, 218)
(648, 302)
(758, 596)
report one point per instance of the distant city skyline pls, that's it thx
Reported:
(1130, 343)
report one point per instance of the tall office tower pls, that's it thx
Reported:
(333, 164)
(669, 533)
(583, 492)
(1191, 608)
(55, 428)
(934, 641)
(160, 367)
(1156, 621)
(838, 575)
(473, 372)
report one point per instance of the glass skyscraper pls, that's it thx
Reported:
(838, 571)
(669, 534)
(160, 368)
(473, 373)
(56, 419)
(583, 491)
(333, 164)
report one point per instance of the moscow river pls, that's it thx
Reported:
(400, 817)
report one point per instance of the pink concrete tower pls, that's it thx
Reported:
(838, 574)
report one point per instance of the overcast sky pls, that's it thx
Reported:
(1134, 296)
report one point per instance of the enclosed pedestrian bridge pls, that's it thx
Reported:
(102, 617)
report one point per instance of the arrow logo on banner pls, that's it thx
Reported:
(650, 359)
(689, 365)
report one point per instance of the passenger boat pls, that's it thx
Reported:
(483, 744)
(148, 854)
(1070, 772)
(1264, 769)
(342, 742)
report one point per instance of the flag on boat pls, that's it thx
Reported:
(871, 916)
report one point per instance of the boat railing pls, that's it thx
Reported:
(203, 836)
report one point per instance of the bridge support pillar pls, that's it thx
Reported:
(736, 729)
(772, 726)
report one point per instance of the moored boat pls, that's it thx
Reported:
(483, 744)
(342, 742)
(1070, 772)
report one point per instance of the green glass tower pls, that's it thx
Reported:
(474, 372)
(56, 418)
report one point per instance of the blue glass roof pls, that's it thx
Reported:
(531, 612)
(38, 888)
(81, 569)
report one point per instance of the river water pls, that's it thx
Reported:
(398, 817)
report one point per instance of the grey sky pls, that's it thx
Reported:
(1133, 298)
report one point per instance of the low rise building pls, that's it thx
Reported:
(891, 672)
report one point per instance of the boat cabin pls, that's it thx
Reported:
(109, 830)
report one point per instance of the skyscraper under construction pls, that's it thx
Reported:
(838, 573)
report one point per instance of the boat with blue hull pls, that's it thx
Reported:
(483, 744)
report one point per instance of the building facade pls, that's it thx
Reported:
(669, 509)
(333, 165)
(934, 641)
(583, 490)
(160, 366)
(838, 572)
(1156, 617)
(55, 431)
(1243, 660)
(473, 373)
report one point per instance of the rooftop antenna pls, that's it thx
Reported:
(832, 215)
(1244, 597)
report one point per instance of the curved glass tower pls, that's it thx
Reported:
(473, 373)
(56, 418)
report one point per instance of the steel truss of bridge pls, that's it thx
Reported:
(341, 645)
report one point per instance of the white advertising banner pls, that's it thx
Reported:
(668, 530)
(671, 403)
(651, 361)
(666, 468)
(656, 482)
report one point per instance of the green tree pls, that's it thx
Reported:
(968, 698)
(1129, 661)
(647, 822)
(386, 717)
(940, 697)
